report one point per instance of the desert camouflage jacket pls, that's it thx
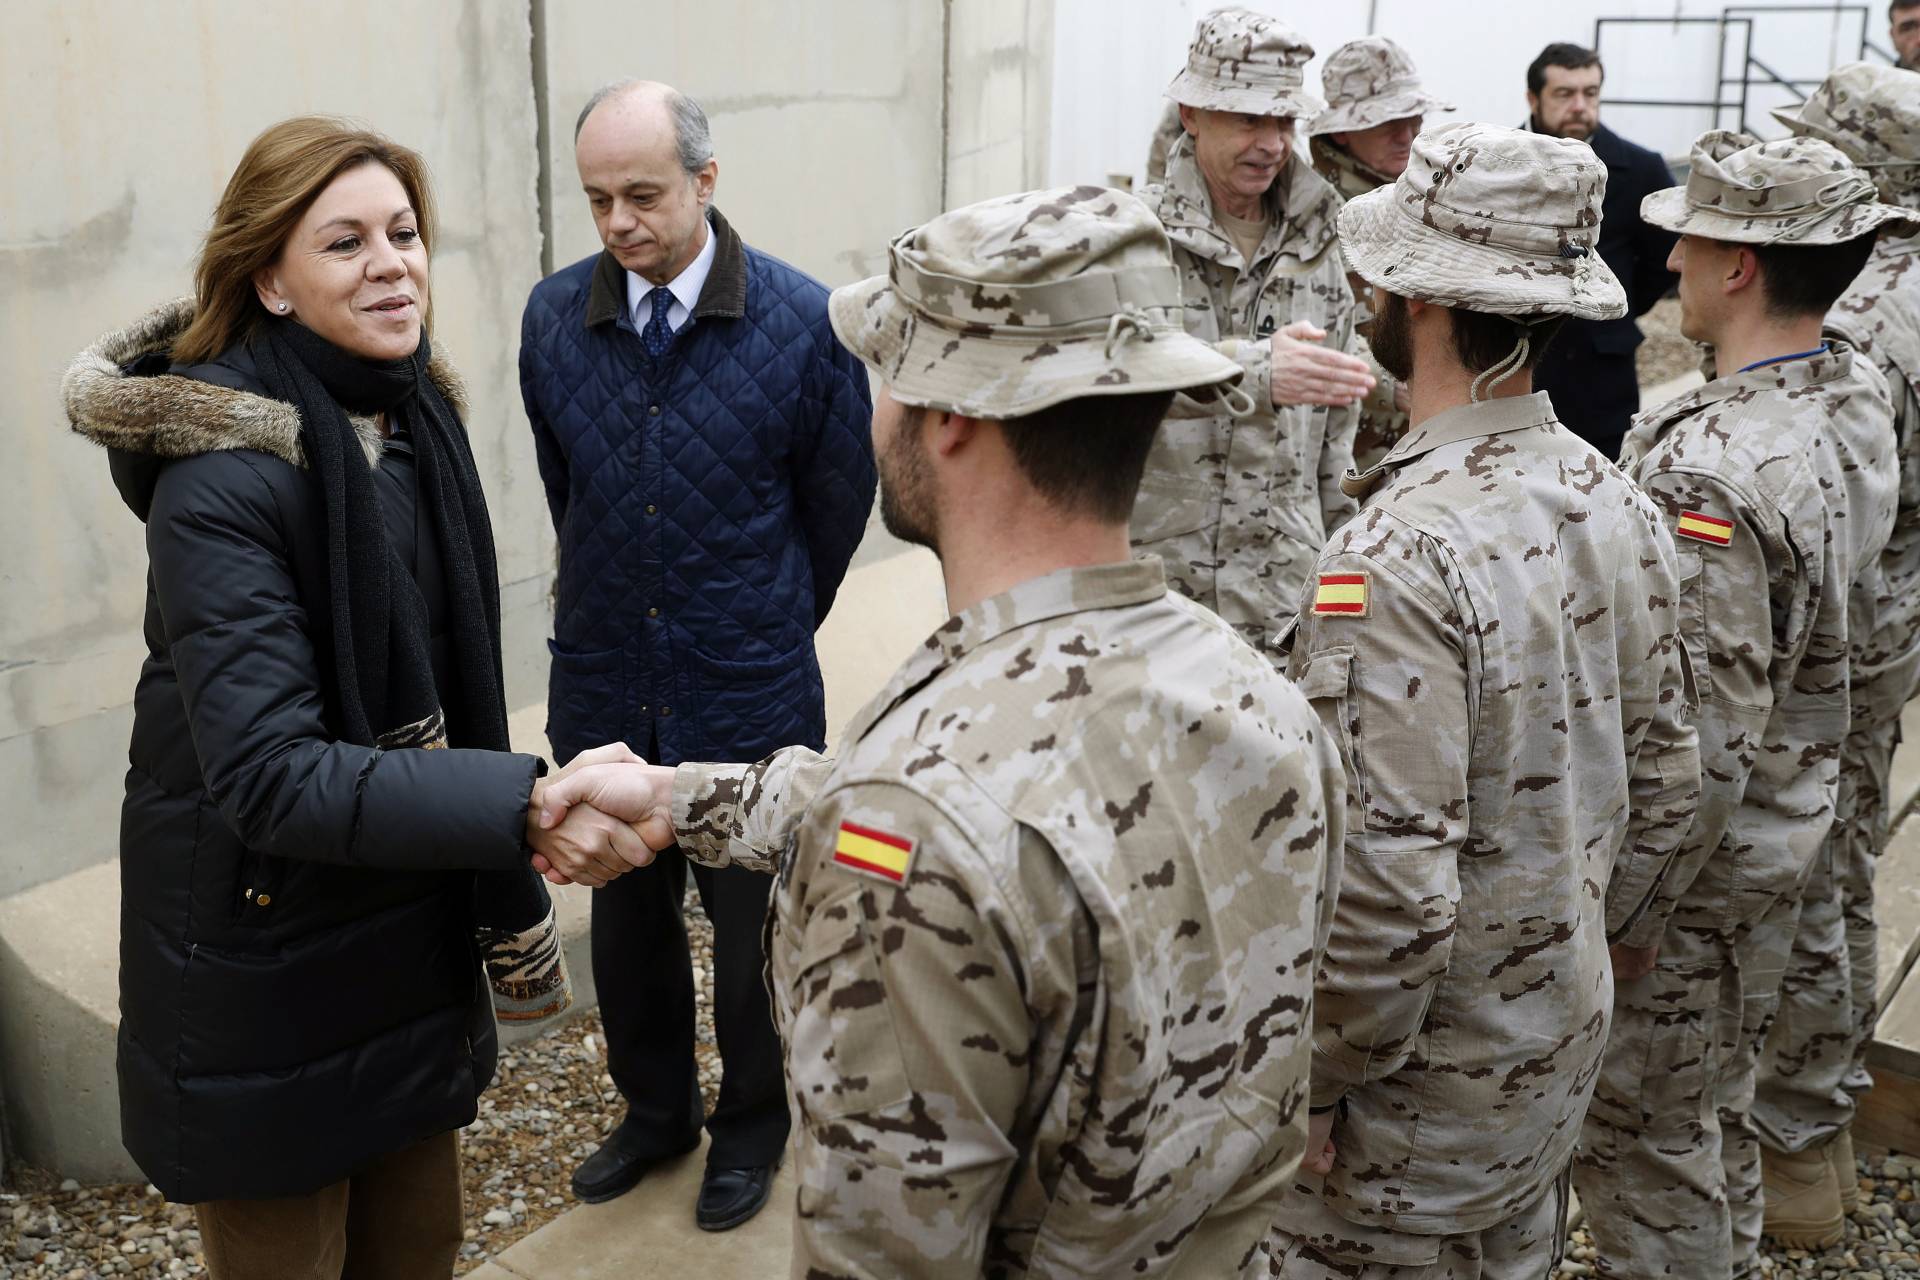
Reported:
(1237, 508)
(1779, 485)
(1880, 318)
(1043, 941)
(1493, 642)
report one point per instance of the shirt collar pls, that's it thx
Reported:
(1053, 595)
(1466, 422)
(686, 286)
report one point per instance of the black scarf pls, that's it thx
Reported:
(382, 650)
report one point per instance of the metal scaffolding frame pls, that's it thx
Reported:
(1735, 26)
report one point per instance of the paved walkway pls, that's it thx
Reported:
(650, 1232)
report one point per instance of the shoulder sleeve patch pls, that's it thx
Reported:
(1705, 528)
(1344, 594)
(873, 852)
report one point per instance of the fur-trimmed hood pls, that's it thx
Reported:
(120, 393)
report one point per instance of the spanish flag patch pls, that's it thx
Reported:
(1342, 593)
(1705, 528)
(875, 852)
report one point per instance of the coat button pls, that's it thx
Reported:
(263, 900)
(666, 711)
(654, 409)
(644, 710)
(652, 510)
(653, 613)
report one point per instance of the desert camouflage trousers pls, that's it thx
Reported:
(1669, 1162)
(1813, 1069)
(1314, 1243)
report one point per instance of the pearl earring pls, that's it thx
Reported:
(283, 308)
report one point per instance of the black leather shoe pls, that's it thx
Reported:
(622, 1160)
(728, 1197)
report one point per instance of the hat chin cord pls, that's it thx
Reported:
(1515, 361)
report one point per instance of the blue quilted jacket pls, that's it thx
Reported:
(707, 504)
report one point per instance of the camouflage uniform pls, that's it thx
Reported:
(1042, 945)
(1778, 482)
(1238, 506)
(1814, 1066)
(1367, 82)
(1492, 641)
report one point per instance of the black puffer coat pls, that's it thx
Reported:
(299, 987)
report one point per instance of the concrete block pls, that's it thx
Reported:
(59, 1010)
(1904, 784)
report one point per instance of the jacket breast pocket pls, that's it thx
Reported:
(844, 1055)
(1326, 680)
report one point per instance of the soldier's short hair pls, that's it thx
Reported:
(1893, 10)
(1572, 57)
(1087, 455)
(1807, 279)
(1483, 340)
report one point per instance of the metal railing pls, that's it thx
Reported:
(1732, 91)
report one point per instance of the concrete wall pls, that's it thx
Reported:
(837, 123)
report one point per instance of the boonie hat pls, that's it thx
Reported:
(1489, 219)
(1796, 190)
(1369, 82)
(1011, 305)
(1246, 62)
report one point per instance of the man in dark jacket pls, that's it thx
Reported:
(703, 439)
(1903, 28)
(1588, 371)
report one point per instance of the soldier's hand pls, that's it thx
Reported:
(638, 795)
(1320, 1149)
(1304, 372)
(1632, 962)
(586, 847)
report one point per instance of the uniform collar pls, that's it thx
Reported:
(1301, 206)
(1467, 422)
(724, 295)
(1795, 375)
(1053, 595)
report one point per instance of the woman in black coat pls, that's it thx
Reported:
(319, 763)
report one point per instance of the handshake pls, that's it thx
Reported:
(606, 813)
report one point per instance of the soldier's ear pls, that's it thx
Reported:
(948, 433)
(1742, 269)
(1187, 118)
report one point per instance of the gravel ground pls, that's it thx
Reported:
(1665, 354)
(552, 1101)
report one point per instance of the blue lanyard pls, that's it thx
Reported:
(1798, 355)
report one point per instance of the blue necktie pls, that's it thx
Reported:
(658, 335)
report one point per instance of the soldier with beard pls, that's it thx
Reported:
(1492, 642)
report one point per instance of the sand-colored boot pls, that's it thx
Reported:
(1802, 1199)
(1845, 1170)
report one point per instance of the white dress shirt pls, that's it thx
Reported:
(686, 290)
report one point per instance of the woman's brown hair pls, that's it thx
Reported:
(283, 172)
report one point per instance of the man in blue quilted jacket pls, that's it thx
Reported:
(703, 439)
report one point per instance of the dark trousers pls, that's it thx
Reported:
(397, 1219)
(644, 975)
